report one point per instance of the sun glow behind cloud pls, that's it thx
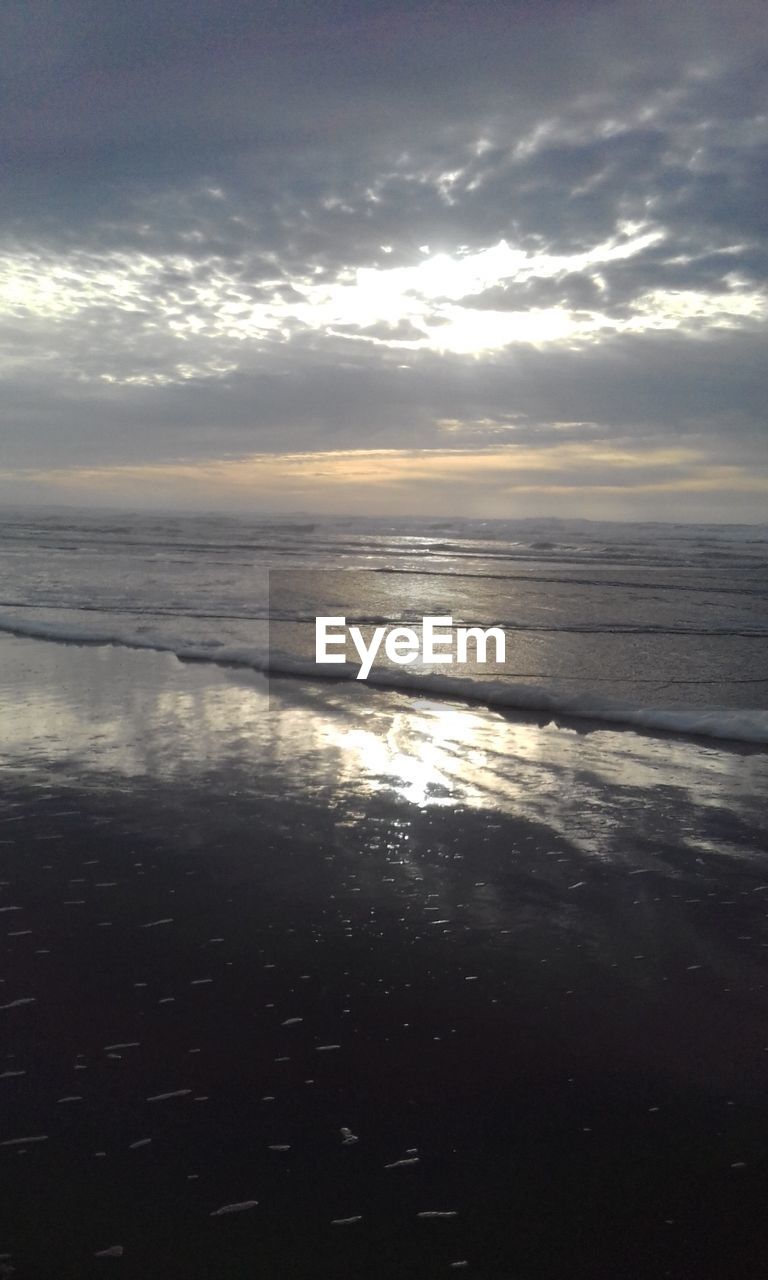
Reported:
(423, 295)
(427, 306)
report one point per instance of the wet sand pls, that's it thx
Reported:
(441, 991)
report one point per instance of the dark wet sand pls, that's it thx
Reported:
(566, 1045)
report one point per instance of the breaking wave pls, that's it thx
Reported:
(731, 724)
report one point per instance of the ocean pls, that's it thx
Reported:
(307, 977)
(659, 626)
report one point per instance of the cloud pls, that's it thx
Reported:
(384, 481)
(242, 229)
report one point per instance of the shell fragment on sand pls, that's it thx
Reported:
(234, 1208)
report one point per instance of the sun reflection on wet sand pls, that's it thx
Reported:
(115, 713)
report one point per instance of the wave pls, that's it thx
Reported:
(374, 620)
(730, 724)
(377, 620)
(280, 539)
(752, 589)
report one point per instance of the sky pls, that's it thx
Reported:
(483, 258)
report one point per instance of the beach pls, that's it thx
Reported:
(383, 640)
(312, 979)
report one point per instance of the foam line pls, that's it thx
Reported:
(737, 724)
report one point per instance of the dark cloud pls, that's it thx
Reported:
(573, 289)
(648, 390)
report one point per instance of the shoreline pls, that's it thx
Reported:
(745, 726)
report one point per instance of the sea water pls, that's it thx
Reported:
(658, 625)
